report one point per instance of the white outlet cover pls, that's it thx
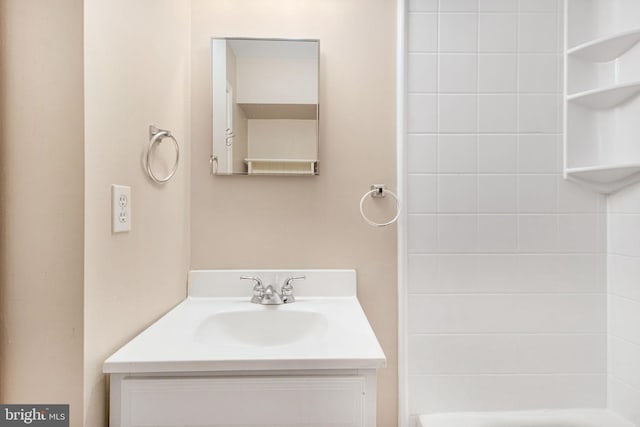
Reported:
(120, 208)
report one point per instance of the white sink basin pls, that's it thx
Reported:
(268, 327)
(217, 329)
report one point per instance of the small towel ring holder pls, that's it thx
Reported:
(378, 191)
(156, 136)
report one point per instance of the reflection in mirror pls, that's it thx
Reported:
(265, 106)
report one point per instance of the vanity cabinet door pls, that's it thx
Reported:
(244, 402)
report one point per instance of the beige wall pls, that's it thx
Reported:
(311, 222)
(136, 74)
(41, 203)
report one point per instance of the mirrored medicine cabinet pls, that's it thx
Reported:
(265, 106)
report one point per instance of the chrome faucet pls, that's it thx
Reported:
(268, 295)
(271, 297)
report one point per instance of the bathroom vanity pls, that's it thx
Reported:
(217, 359)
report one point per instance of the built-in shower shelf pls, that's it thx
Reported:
(606, 178)
(606, 49)
(604, 98)
(601, 124)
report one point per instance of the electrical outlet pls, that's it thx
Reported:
(120, 208)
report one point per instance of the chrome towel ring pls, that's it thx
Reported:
(378, 191)
(156, 136)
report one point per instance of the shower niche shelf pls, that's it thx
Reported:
(606, 178)
(608, 97)
(601, 88)
(605, 49)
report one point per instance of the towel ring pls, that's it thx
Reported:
(377, 191)
(156, 136)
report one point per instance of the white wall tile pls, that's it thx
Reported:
(623, 399)
(520, 287)
(423, 237)
(580, 233)
(560, 69)
(497, 193)
(521, 313)
(525, 354)
(422, 153)
(537, 193)
(457, 153)
(422, 33)
(624, 276)
(538, 33)
(457, 193)
(458, 32)
(624, 358)
(498, 6)
(457, 113)
(422, 193)
(422, 72)
(497, 233)
(446, 393)
(537, 233)
(501, 273)
(561, 273)
(497, 73)
(537, 272)
(624, 319)
(539, 113)
(422, 112)
(423, 6)
(496, 273)
(458, 5)
(497, 153)
(422, 272)
(581, 273)
(458, 73)
(497, 32)
(538, 73)
(601, 224)
(457, 233)
(626, 200)
(456, 274)
(539, 5)
(539, 153)
(623, 234)
(497, 113)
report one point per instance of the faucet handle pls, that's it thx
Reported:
(287, 282)
(287, 289)
(258, 289)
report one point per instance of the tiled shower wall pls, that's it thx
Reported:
(624, 303)
(506, 261)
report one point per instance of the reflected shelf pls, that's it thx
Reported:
(604, 98)
(606, 178)
(606, 49)
(279, 111)
(281, 166)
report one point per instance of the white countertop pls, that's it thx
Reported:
(178, 342)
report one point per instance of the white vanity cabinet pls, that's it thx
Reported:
(218, 360)
(338, 400)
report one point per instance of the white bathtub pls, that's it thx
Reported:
(542, 418)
